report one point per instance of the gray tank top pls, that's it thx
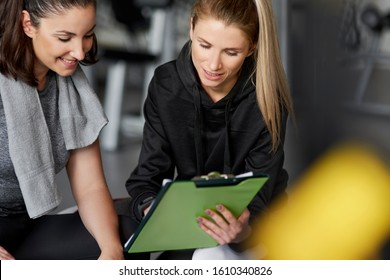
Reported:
(11, 199)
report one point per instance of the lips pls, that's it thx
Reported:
(212, 76)
(69, 63)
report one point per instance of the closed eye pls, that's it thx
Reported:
(64, 39)
(231, 53)
(89, 36)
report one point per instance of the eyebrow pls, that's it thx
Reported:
(201, 40)
(64, 32)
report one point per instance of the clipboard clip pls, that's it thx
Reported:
(213, 175)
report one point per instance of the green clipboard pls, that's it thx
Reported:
(171, 222)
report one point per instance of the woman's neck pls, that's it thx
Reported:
(40, 75)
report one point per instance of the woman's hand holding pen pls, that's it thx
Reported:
(224, 227)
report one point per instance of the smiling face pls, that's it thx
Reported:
(218, 53)
(61, 41)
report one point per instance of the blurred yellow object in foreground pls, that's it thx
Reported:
(339, 209)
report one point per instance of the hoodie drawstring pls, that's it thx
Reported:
(198, 133)
(227, 164)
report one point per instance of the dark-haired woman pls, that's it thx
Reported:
(50, 119)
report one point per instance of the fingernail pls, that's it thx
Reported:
(219, 207)
(208, 212)
(199, 220)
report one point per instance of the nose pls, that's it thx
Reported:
(215, 61)
(79, 49)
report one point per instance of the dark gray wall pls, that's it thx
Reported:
(327, 69)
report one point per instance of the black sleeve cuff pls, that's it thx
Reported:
(142, 202)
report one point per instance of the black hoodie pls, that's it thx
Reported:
(186, 134)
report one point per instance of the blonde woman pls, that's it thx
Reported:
(222, 105)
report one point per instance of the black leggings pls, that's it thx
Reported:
(59, 237)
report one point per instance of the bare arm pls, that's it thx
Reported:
(4, 255)
(93, 199)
